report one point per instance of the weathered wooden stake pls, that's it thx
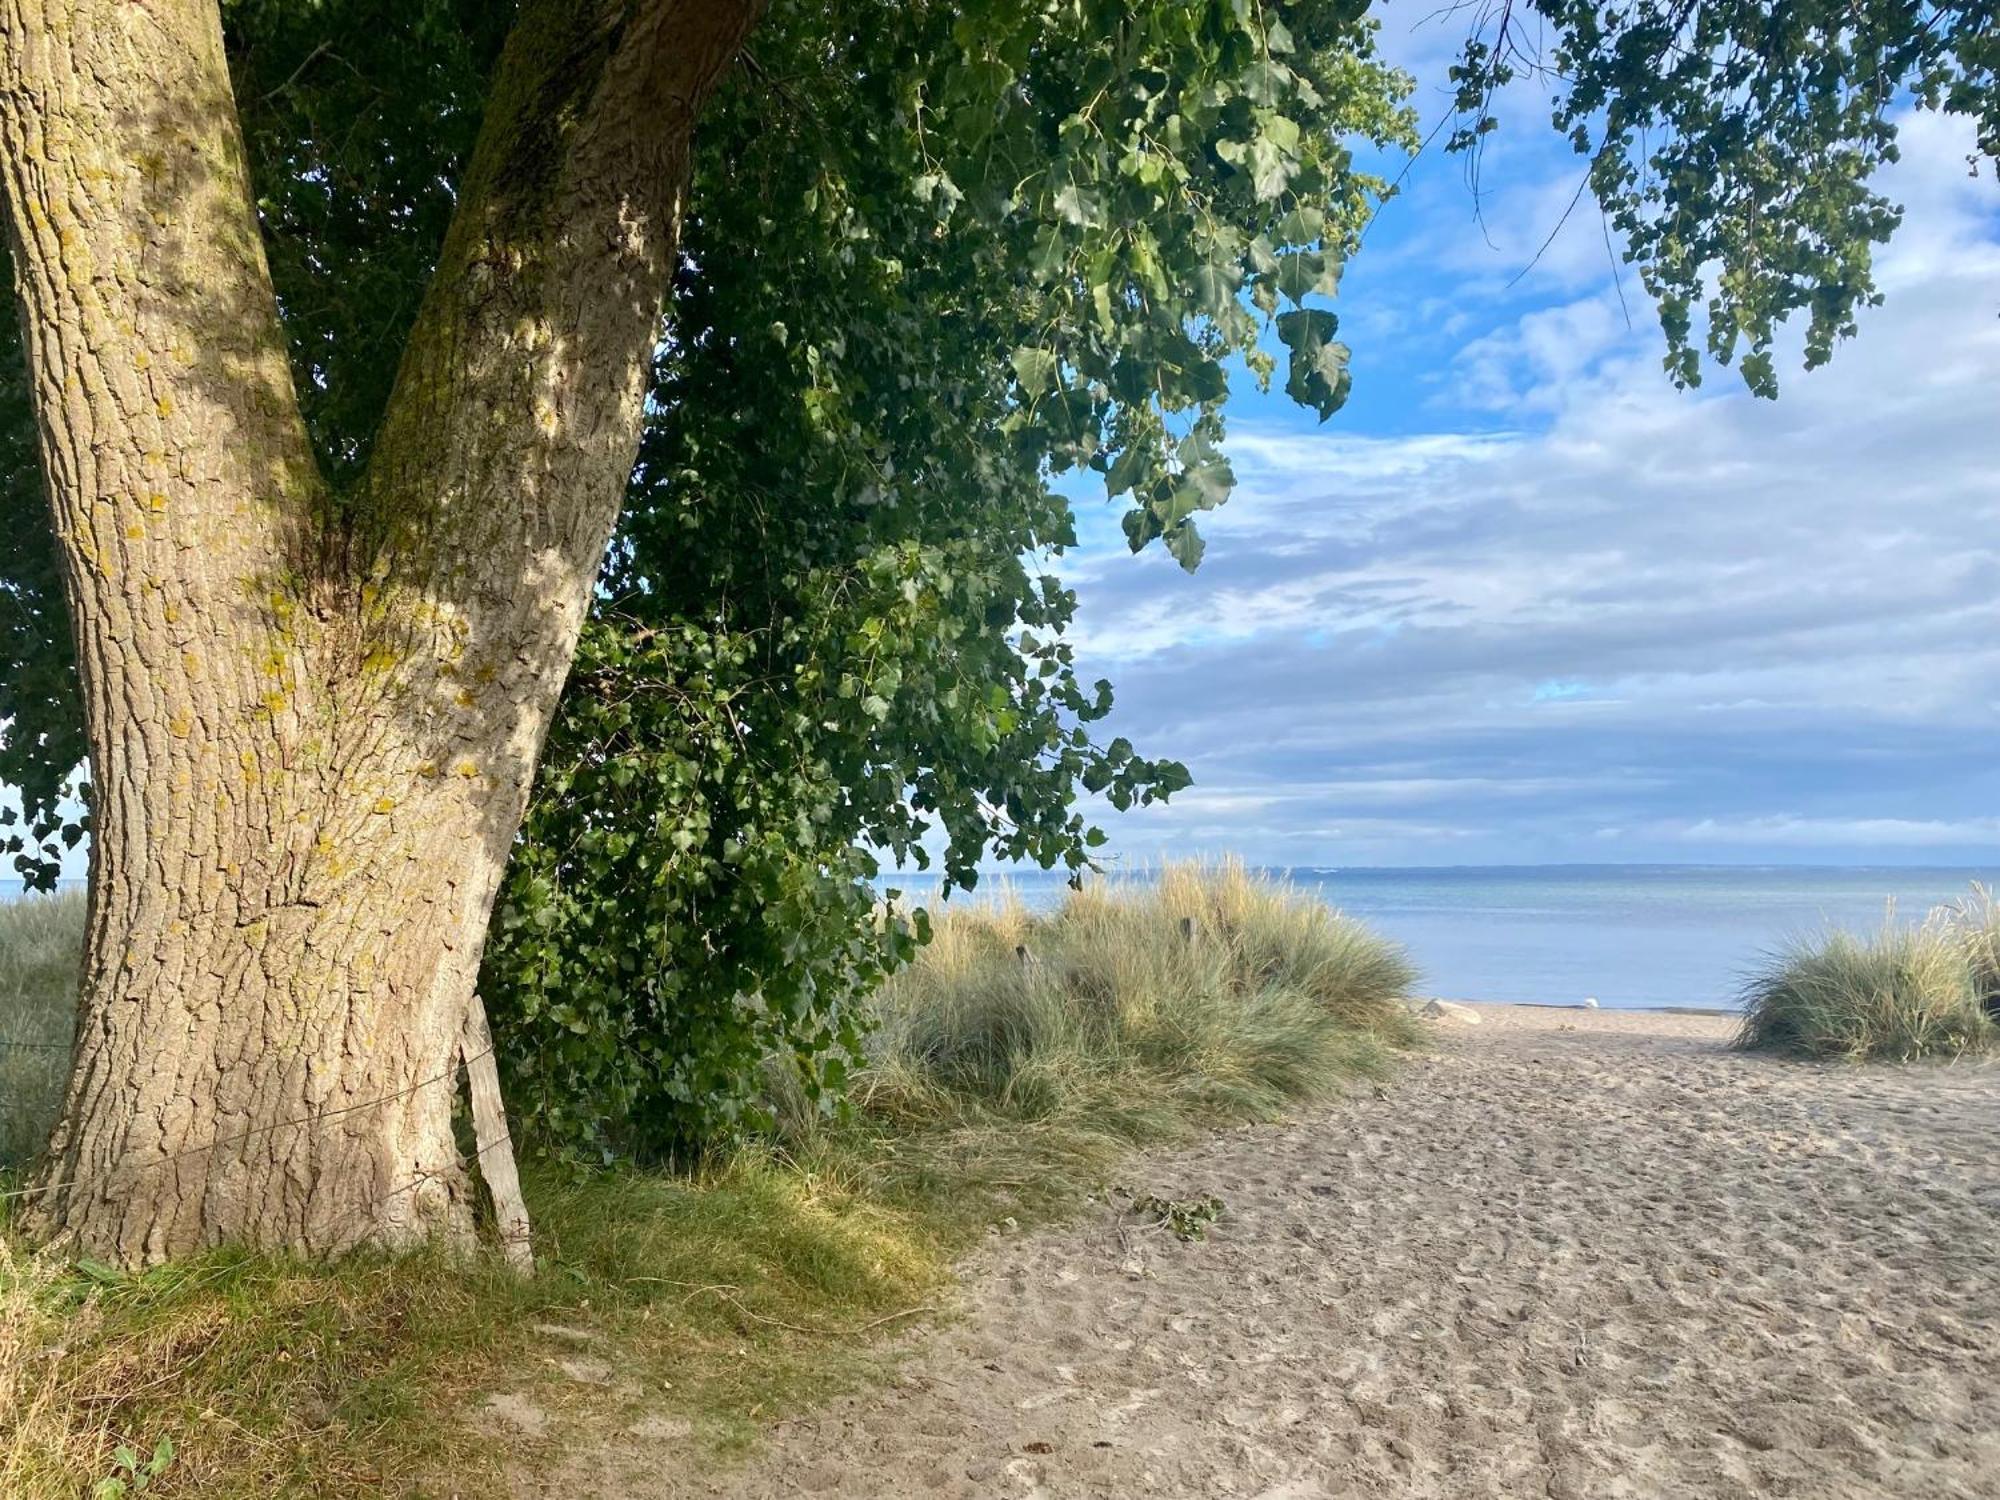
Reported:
(496, 1146)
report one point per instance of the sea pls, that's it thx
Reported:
(1626, 936)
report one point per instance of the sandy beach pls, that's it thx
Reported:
(1570, 1254)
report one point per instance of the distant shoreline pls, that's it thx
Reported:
(1655, 1010)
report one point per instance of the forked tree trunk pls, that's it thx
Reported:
(313, 719)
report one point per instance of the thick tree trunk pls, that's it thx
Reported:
(313, 719)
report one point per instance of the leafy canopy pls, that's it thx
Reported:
(941, 260)
(1732, 143)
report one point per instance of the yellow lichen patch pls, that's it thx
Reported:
(191, 664)
(141, 360)
(385, 804)
(466, 769)
(427, 768)
(171, 612)
(156, 501)
(134, 532)
(164, 406)
(275, 702)
(378, 661)
(466, 698)
(181, 725)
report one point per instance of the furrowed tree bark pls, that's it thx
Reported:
(313, 718)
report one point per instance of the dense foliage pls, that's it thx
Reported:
(939, 256)
(1732, 144)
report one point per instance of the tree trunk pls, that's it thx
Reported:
(313, 718)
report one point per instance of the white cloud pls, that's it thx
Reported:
(1810, 833)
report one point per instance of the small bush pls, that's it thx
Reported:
(41, 955)
(1905, 993)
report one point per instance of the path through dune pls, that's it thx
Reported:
(1578, 1255)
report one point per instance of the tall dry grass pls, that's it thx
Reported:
(47, 1437)
(41, 955)
(1036, 1047)
(1902, 993)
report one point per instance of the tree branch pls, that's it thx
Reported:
(517, 410)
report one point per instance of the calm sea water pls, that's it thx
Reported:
(1626, 935)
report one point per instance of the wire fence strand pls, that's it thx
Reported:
(449, 1074)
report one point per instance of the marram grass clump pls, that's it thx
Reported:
(1035, 1048)
(1906, 992)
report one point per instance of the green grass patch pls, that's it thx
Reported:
(1013, 1066)
(1903, 993)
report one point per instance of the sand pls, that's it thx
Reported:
(1572, 1254)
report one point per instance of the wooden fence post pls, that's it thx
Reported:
(496, 1146)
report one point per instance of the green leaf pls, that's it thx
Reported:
(1215, 286)
(1074, 205)
(1035, 369)
(1185, 545)
(1319, 375)
(1303, 225)
(1266, 82)
(1300, 274)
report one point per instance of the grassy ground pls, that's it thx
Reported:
(1013, 1065)
(1904, 993)
(41, 948)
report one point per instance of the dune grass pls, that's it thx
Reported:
(1903, 993)
(1035, 1049)
(1012, 1067)
(41, 951)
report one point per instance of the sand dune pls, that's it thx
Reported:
(1577, 1255)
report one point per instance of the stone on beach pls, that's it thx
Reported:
(1448, 1010)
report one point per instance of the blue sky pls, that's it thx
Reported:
(1522, 601)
